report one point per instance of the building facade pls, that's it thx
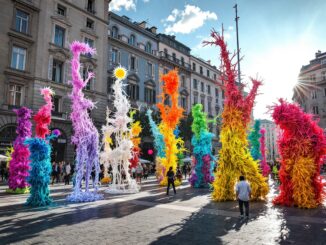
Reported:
(310, 92)
(36, 36)
(135, 47)
(271, 136)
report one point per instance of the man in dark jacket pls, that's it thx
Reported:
(170, 176)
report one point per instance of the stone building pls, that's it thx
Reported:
(35, 37)
(271, 136)
(310, 91)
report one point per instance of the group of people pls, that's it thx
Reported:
(61, 171)
(141, 171)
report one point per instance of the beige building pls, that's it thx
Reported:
(205, 89)
(35, 37)
(271, 137)
(310, 91)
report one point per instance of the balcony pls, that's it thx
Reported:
(174, 60)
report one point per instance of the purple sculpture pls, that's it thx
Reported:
(85, 136)
(19, 164)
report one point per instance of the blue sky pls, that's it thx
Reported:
(276, 37)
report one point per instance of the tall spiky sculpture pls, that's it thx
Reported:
(302, 145)
(171, 116)
(201, 141)
(19, 163)
(118, 125)
(254, 137)
(263, 163)
(40, 154)
(85, 136)
(234, 156)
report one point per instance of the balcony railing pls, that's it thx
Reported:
(174, 60)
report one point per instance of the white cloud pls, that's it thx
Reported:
(230, 28)
(145, 1)
(117, 5)
(188, 20)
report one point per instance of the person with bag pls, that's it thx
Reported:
(171, 178)
(243, 193)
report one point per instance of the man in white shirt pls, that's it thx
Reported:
(243, 193)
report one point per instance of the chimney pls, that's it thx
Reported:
(318, 53)
(142, 24)
(153, 29)
(173, 37)
(209, 62)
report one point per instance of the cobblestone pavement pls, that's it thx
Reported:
(151, 217)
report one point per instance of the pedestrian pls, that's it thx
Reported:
(54, 171)
(139, 173)
(179, 174)
(171, 178)
(145, 172)
(189, 170)
(243, 193)
(67, 173)
(184, 170)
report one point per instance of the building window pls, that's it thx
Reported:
(59, 36)
(223, 94)
(194, 66)
(314, 94)
(201, 70)
(165, 71)
(57, 71)
(132, 63)
(184, 102)
(150, 95)
(207, 72)
(216, 101)
(114, 32)
(214, 76)
(150, 70)
(209, 107)
(182, 61)
(195, 99)
(61, 10)
(89, 85)
(324, 91)
(89, 23)
(323, 76)
(216, 92)
(209, 89)
(56, 104)
(18, 58)
(148, 48)
(15, 95)
(22, 21)
(132, 40)
(133, 90)
(195, 83)
(114, 56)
(313, 77)
(109, 85)
(202, 101)
(315, 110)
(174, 57)
(183, 81)
(202, 87)
(91, 6)
(166, 54)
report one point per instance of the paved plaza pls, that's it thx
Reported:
(151, 217)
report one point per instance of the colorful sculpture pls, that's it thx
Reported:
(40, 154)
(302, 145)
(117, 125)
(263, 163)
(234, 156)
(135, 132)
(19, 163)
(171, 116)
(201, 141)
(85, 136)
(254, 137)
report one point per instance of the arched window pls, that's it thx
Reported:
(114, 32)
(148, 48)
(132, 40)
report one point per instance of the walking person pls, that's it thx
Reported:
(243, 193)
(139, 173)
(67, 173)
(171, 178)
(54, 171)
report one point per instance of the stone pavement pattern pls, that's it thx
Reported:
(150, 217)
